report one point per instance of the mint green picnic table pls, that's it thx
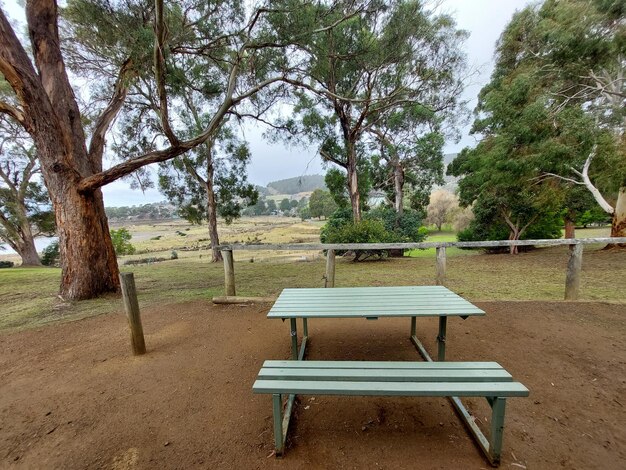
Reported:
(371, 303)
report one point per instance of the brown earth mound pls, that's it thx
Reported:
(72, 396)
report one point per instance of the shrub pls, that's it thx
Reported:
(6, 264)
(174, 255)
(50, 255)
(365, 231)
(380, 225)
(121, 242)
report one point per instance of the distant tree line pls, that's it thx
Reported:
(152, 211)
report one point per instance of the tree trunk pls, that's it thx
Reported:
(570, 228)
(514, 234)
(29, 255)
(353, 186)
(28, 252)
(88, 261)
(216, 254)
(618, 224)
(398, 186)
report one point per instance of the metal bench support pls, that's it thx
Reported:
(491, 447)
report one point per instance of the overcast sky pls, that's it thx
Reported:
(483, 19)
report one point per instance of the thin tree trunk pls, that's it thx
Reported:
(570, 228)
(618, 224)
(398, 186)
(26, 246)
(514, 235)
(216, 255)
(353, 185)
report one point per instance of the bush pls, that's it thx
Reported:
(6, 264)
(365, 231)
(382, 225)
(121, 242)
(174, 255)
(50, 255)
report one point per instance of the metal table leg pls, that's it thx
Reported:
(441, 338)
(294, 339)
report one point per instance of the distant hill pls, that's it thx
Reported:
(299, 184)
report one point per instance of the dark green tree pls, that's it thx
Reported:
(321, 204)
(285, 205)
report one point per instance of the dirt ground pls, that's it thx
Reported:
(72, 396)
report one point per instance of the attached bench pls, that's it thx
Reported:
(413, 379)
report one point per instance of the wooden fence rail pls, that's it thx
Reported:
(572, 279)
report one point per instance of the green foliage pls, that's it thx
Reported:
(304, 213)
(299, 184)
(6, 264)
(378, 226)
(365, 231)
(406, 228)
(546, 111)
(271, 206)
(150, 211)
(222, 161)
(595, 216)
(395, 57)
(50, 255)
(285, 205)
(121, 242)
(489, 225)
(321, 204)
(337, 184)
(174, 255)
(25, 208)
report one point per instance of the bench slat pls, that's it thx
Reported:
(387, 375)
(417, 365)
(421, 389)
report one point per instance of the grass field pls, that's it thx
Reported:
(29, 296)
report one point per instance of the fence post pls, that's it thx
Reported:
(572, 277)
(129, 294)
(229, 272)
(329, 279)
(441, 265)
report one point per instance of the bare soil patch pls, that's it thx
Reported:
(72, 396)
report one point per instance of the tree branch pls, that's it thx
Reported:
(159, 72)
(14, 112)
(589, 185)
(96, 146)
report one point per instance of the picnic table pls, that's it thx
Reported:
(371, 303)
(430, 378)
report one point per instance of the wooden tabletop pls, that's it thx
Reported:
(371, 302)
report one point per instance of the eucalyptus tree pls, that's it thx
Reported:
(532, 130)
(24, 204)
(410, 155)
(574, 56)
(209, 181)
(134, 54)
(395, 55)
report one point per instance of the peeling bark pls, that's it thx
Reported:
(618, 224)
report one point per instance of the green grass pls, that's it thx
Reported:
(442, 236)
(28, 296)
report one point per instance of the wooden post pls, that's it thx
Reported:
(441, 265)
(330, 269)
(572, 277)
(229, 273)
(129, 293)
